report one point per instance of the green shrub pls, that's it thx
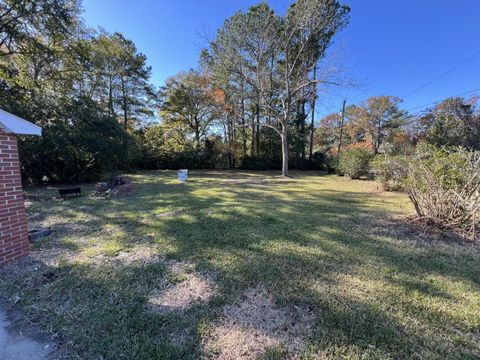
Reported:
(80, 144)
(331, 163)
(391, 171)
(355, 162)
(451, 166)
(444, 187)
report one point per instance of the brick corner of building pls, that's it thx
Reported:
(14, 242)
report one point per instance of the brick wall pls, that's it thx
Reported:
(13, 221)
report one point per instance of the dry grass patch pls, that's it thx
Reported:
(145, 254)
(246, 181)
(194, 288)
(255, 324)
(371, 286)
(168, 214)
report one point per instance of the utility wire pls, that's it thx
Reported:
(436, 101)
(442, 75)
(415, 119)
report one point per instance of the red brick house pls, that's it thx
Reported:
(13, 221)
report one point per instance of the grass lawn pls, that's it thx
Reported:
(247, 265)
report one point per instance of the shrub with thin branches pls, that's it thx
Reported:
(444, 186)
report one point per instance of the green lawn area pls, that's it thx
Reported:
(247, 265)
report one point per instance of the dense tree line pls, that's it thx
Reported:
(379, 125)
(89, 90)
(246, 106)
(249, 104)
(257, 80)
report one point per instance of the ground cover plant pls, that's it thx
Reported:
(246, 265)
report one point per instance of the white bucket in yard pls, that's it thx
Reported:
(182, 175)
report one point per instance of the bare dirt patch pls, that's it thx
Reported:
(254, 324)
(196, 287)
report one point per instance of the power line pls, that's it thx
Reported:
(414, 120)
(442, 75)
(436, 101)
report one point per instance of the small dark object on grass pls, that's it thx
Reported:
(74, 191)
(49, 277)
(36, 234)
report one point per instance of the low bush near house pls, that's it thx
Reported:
(444, 186)
(355, 162)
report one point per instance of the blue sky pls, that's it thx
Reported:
(389, 47)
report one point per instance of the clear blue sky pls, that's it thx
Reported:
(389, 47)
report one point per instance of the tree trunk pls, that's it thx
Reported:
(124, 95)
(312, 122)
(252, 145)
(284, 150)
(257, 134)
(110, 96)
(302, 131)
(229, 142)
(234, 140)
(197, 131)
(376, 143)
(342, 121)
(286, 116)
(244, 130)
(226, 141)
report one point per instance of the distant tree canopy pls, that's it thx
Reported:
(374, 122)
(266, 62)
(453, 122)
(250, 104)
(188, 104)
(88, 90)
(381, 125)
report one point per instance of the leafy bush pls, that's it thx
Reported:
(162, 148)
(444, 186)
(365, 145)
(266, 162)
(355, 162)
(331, 163)
(317, 162)
(391, 171)
(82, 144)
(259, 163)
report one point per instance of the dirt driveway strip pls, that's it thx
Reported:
(17, 345)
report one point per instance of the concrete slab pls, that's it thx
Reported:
(16, 345)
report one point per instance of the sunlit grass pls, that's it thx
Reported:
(378, 287)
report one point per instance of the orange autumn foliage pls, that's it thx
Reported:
(367, 145)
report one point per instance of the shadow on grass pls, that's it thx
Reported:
(316, 248)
